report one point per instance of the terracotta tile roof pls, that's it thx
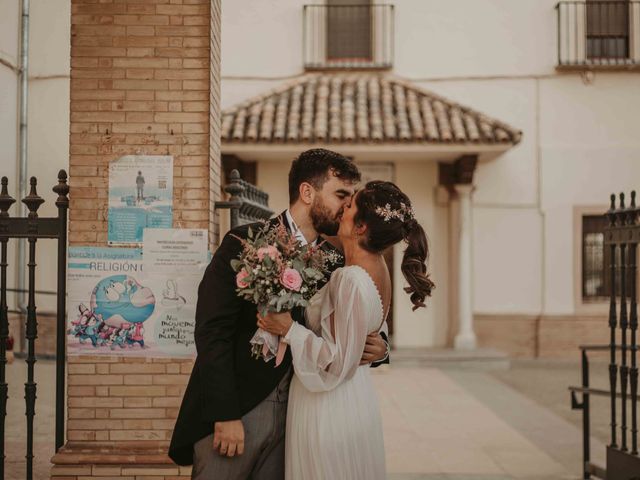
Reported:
(359, 108)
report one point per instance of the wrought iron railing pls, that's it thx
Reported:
(348, 36)
(247, 203)
(598, 33)
(32, 228)
(622, 237)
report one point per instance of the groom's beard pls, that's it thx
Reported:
(323, 221)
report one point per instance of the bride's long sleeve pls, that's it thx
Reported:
(322, 363)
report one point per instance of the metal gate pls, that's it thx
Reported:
(33, 228)
(621, 237)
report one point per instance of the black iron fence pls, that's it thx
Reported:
(32, 228)
(348, 36)
(622, 236)
(247, 203)
(598, 33)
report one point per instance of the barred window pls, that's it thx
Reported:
(349, 33)
(596, 277)
(607, 29)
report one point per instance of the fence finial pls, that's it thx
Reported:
(6, 200)
(622, 201)
(62, 189)
(235, 187)
(33, 200)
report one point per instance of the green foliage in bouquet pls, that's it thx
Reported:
(276, 272)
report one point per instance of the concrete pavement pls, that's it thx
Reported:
(438, 423)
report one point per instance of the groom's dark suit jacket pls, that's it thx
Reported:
(226, 382)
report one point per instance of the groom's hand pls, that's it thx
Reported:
(374, 350)
(228, 438)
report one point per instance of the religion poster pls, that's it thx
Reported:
(115, 307)
(140, 196)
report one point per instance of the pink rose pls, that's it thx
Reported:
(240, 279)
(291, 279)
(269, 251)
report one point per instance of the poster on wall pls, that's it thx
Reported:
(140, 196)
(116, 307)
(175, 250)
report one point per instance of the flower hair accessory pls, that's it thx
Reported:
(403, 213)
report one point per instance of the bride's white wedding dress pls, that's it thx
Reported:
(334, 429)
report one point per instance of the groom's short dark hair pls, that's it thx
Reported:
(313, 166)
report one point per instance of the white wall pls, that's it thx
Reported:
(471, 38)
(262, 38)
(8, 89)
(272, 177)
(48, 118)
(9, 41)
(48, 115)
(511, 178)
(590, 148)
(426, 326)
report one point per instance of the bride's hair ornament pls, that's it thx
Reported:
(390, 219)
(404, 213)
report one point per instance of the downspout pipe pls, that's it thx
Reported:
(22, 180)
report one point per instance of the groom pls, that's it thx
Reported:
(232, 420)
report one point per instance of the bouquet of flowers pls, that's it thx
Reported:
(277, 274)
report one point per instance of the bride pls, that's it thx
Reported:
(334, 428)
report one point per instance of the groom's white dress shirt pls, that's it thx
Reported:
(295, 230)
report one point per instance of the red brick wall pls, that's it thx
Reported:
(215, 168)
(141, 83)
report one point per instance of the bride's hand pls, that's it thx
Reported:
(276, 323)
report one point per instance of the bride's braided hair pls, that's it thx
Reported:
(387, 213)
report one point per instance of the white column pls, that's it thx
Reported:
(465, 339)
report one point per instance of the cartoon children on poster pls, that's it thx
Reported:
(118, 307)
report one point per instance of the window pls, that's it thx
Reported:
(596, 278)
(348, 34)
(349, 30)
(607, 29)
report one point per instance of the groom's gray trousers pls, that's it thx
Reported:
(263, 457)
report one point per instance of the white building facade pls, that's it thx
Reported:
(558, 73)
(521, 262)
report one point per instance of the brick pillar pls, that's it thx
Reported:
(141, 83)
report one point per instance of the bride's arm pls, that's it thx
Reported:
(322, 362)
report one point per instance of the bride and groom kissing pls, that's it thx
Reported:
(314, 416)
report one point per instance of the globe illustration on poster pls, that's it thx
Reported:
(120, 299)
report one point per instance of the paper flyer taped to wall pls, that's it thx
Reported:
(121, 304)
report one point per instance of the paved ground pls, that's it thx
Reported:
(460, 424)
(440, 423)
(44, 425)
(546, 381)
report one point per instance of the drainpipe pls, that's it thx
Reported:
(22, 182)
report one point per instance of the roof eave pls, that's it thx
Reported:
(389, 151)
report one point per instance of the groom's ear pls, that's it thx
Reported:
(307, 192)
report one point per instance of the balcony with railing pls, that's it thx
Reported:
(348, 36)
(599, 33)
